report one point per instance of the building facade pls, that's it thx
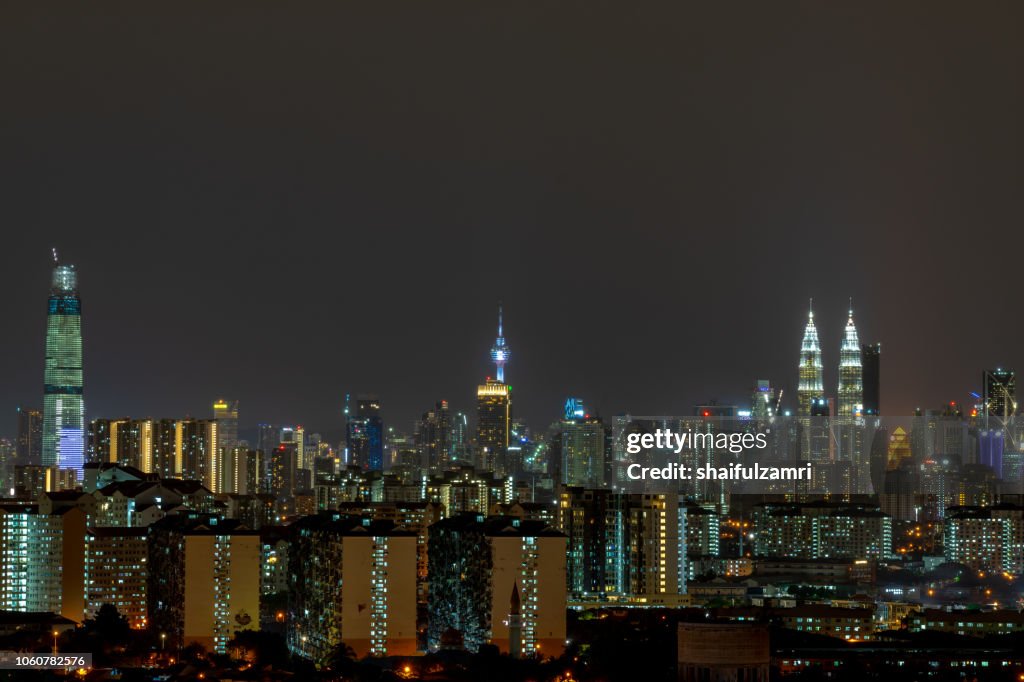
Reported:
(63, 408)
(204, 579)
(353, 580)
(477, 565)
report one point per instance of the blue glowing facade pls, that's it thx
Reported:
(63, 409)
(365, 435)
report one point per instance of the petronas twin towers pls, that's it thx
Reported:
(811, 388)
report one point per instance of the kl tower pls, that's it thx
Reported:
(500, 351)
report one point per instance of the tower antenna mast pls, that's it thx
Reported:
(500, 350)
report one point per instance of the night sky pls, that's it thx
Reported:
(283, 202)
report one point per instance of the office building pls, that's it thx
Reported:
(225, 412)
(63, 410)
(494, 416)
(764, 402)
(365, 435)
(433, 439)
(283, 470)
(29, 443)
(999, 397)
(582, 444)
(871, 370)
(811, 385)
(851, 379)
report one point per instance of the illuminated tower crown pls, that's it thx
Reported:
(810, 386)
(500, 351)
(851, 378)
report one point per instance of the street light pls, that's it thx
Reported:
(55, 634)
(163, 640)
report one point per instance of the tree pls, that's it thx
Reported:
(110, 625)
(263, 648)
(342, 659)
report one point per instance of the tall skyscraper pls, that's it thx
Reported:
(811, 385)
(493, 418)
(851, 379)
(7, 458)
(226, 414)
(460, 437)
(282, 470)
(763, 401)
(871, 367)
(242, 471)
(999, 400)
(63, 409)
(582, 445)
(267, 439)
(300, 449)
(500, 351)
(494, 409)
(29, 446)
(196, 451)
(434, 438)
(365, 437)
(848, 425)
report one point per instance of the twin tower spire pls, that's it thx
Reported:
(851, 380)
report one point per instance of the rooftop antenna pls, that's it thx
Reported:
(500, 351)
(56, 261)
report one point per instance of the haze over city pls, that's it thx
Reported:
(336, 203)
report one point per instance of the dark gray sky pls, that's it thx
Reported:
(282, 202)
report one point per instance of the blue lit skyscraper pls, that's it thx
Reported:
(63, 410)
(365, 436)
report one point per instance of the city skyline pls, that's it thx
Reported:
(549, 342)
(828, 380)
